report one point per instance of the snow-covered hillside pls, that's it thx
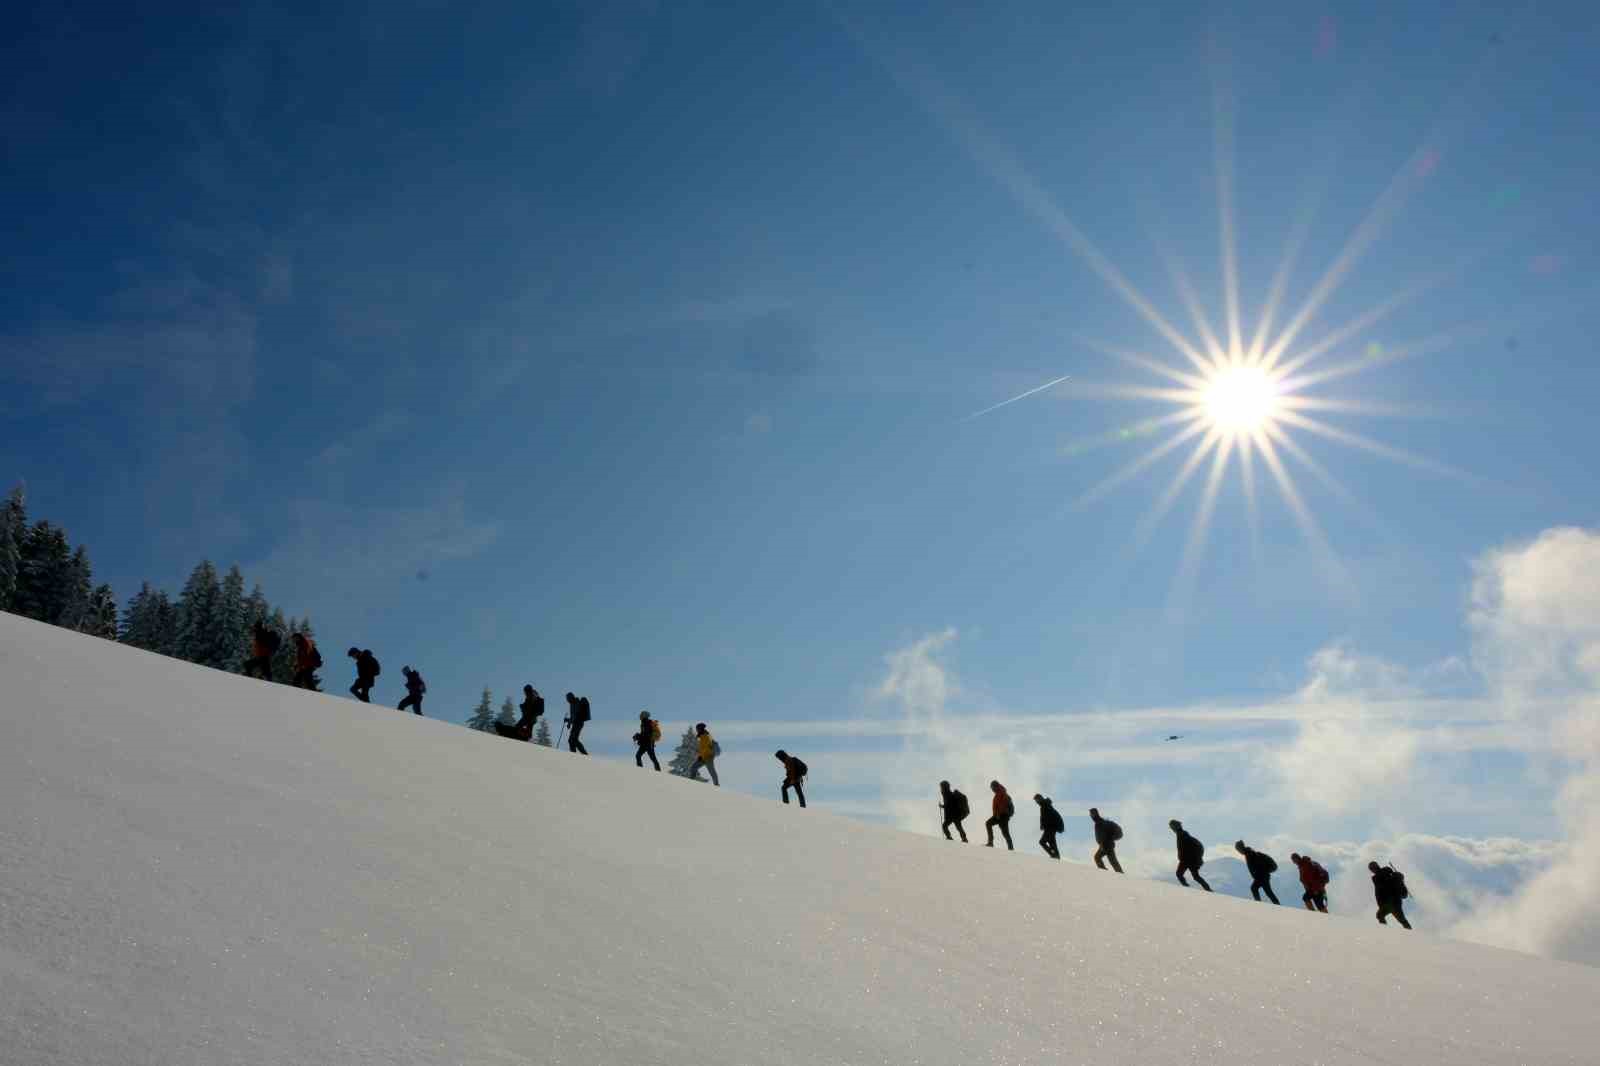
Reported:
(199, 868)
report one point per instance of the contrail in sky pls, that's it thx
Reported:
(1014, 399)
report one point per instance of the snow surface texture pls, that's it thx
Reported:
(199, 868)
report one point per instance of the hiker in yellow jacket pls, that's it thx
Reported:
(709, 749)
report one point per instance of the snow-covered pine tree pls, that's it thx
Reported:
(43, 574)
(13, 527)
(233, 624)
(508, 712)
(139, 620)
(102, 620)
(683, 758)
(199, 606)
(283, 660)
(541, 733)
(77, 588)
(256, 607)
(483, 714)
(164, 624)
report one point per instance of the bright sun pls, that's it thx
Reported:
(1240, 399)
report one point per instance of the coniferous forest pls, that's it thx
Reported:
(45, 577)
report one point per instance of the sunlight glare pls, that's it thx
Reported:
(1241, 400)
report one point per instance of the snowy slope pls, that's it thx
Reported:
(198, 868)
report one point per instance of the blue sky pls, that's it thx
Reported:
(630, 348)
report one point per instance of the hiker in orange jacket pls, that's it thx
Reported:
(1003, 810)
(264, 643)
(1315, 881)
(306, 661)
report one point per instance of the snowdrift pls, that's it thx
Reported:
(199, 868)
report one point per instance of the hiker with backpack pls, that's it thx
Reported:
(367, 671)
(307, 661)
(1314, 879)
(1050, 824)
(264, 642)
(532, 707)
(415, 688)
(1389, 889)
(794, 774)
(1191, 855)
(1002, 809)
(1106, 835)
(577, 715)
(649, 732)
(954, 805)
(1261, 866)
(706, 751)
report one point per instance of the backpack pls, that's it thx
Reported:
(1053, 819)
(1271, 863)
(1011, 807)
(958, 807)
(1398, 881)
(655, 730)
(716, 749)
(797, 768)
(271, 641)
(1113, 830)
(372, 662)
(583, 709)
(1319, 873)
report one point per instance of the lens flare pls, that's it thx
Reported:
(1241, 399)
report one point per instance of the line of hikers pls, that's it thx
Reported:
(1388, 884)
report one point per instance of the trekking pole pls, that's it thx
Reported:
(563, 732)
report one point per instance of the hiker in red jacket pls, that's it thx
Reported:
(1314, 879)
(1003, 810)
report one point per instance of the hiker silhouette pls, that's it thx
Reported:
(1261, 866)
(953, 803)
(1389, 889)
(649, 732)
(1106, 835)
(794, 774)
(706, 751)
(1191, 855)
(532, 707)
(415, 688)
(367, 671)
(1050, 824)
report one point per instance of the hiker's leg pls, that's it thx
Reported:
(1255, 891)
(1306, 899)
(988, 828)
(711, 768)
(1181, 881)
(1111, 854)
(1200, 880)
(784, 791)
(946, 829)
(1005, 831)
(1400, 915)
(1100, 858)
(962, 830)
(799, 793)
(1266, 886)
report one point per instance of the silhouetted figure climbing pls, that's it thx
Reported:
(953, 802)
(1002, 810)
(1389, 889)
(577, 717)
(307, 660)
(367, 671)
(1261, 866)
(706, 751)
(1106, 835)
(1191, 855)
(532, 707)
(649, 732)
(264, 643)
(794, 774)
(1314, 879)
(415, 688)
(1050, 824)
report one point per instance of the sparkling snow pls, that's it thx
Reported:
(198, 868)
